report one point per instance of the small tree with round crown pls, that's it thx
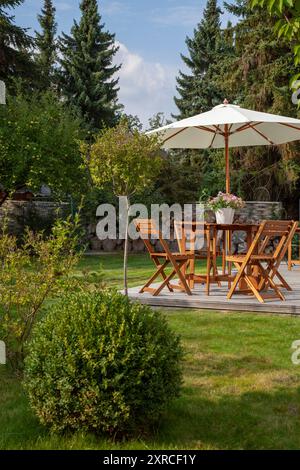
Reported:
(127, 159)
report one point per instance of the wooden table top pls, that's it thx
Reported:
(233, 226)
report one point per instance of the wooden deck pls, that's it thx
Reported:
(218, 301)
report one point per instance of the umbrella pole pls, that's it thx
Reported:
(228, 236)
(226, 136)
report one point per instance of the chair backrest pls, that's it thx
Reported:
(188, 235)
(149, 230)
(283, 230)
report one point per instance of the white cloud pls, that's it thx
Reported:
(63, 6)
(145, 87)
(113, 7)
(184, 15)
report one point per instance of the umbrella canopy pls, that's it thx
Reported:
(228, 126)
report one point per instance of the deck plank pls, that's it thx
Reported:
(218, 301)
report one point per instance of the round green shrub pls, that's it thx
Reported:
(98, 362)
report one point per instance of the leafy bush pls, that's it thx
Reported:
(30, 274)
(39, 144)
(98, 362)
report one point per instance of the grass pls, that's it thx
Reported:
(241, 390)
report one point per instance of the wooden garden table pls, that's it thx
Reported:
(227, 231)
(249, 228)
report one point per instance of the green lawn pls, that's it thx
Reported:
(241, 390)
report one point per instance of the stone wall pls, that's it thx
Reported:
(254, 212)
(39, 214)
(35, 214)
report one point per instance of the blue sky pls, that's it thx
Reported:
(151, 34)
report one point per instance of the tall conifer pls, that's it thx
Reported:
(15, 45)
(257, 77)
(89, 79)
(46, 44)
(196, 91)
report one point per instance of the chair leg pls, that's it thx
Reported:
(159, 271)
(185, 270)
(290, 255)
(168, 279)
(163, 274)
(177, 268)
(272, 271)
(242, 275)
(208, 269)
(236, 280)
(271, 282)
(216, 272)
(254, 290)
(164, 284)
(282, 280)
(192, 273)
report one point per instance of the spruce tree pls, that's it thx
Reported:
(15, 45)
(46, 44)
(257, 77)
(88, 73)
(196, 91)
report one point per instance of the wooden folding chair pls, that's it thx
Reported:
(257, 268)
(193, 238)
(294, 260)
(162, 260)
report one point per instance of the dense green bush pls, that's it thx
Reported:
(39, 144)
(98, 362)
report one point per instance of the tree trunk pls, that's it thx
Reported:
(126, 249)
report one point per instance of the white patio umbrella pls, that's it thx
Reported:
(228, 126)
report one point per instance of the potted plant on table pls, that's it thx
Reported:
(224, 206)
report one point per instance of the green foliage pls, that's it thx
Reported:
(100, 363)
(88, 74)
(288, 24)
(256, 76)
(125, 158)
(180, 178)
(197, 92)
(15, 46)
(39, 144)
(213, 171)
(46, 44)
(88, 280)
(158, 120)
(29, 275)
(251, 67)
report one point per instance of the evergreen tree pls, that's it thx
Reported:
(197, 91)
(257, 76)
(88, 74)
(15, 45)
(46, 44)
